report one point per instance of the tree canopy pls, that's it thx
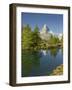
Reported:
(31, 39)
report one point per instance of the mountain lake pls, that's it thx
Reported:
(41, 62)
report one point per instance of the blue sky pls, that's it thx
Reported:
(53, 21)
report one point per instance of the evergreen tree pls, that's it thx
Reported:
(36, 38)
(53, 40)
(26, 37)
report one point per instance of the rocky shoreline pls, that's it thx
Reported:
(58, 70)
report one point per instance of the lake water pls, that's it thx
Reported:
(40, 63)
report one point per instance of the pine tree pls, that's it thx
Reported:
(26, 37)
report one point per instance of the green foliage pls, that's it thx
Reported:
(36, 29)
(26, 37)
(53, 40)
(62, 39)
(36, 38)
(31, 39)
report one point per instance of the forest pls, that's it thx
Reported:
(31, 39)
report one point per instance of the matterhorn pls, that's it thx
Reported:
(45, 33)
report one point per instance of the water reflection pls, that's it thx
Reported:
(38, 63)
(30, 59)
(43, 52)
(54, 51)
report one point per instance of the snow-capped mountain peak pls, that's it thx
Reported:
(45, 29)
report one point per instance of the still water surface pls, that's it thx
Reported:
(41, 63)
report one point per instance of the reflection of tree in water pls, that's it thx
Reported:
(30, 59)
(54, 51)
(62, 50)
